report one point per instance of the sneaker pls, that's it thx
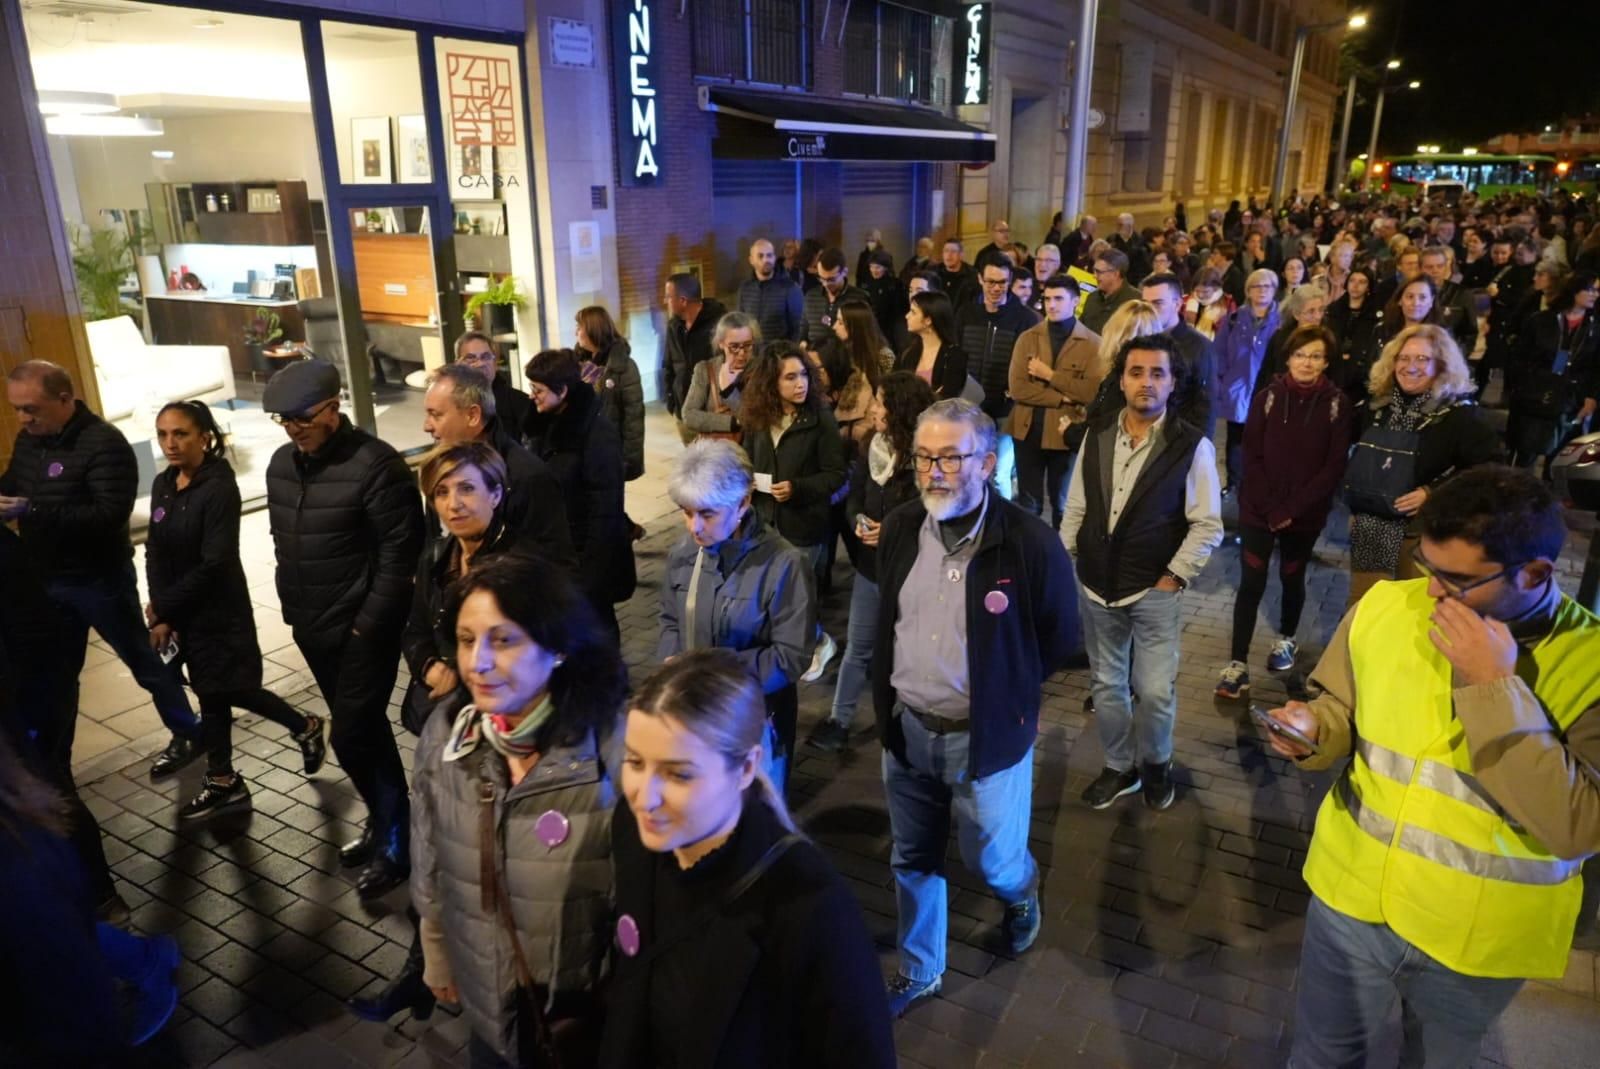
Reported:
(1158, 788)
(179, 752)
(1022, 923)
(313, 744)
(1109, 786)
(1235, 681)
(216, 797)
(1088, 703)
(827, 650)
(1281, 659)
(903, 991)
(830, 736)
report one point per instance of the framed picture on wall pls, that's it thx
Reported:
(411, 137)
(472, 172)
(369, 149)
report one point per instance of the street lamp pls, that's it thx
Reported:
(1377, 119)
(1354, 22)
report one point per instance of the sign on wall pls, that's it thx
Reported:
(636, 63)
(571, 44)
(971, 54)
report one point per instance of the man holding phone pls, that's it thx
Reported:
(1445, 864)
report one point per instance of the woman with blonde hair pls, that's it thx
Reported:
(1424, 429)
(713, 881)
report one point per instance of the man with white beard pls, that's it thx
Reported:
(976, 612)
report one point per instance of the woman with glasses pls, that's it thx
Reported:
(478, 351)
(739, 944)
(1241, 350)
(1424, 428)
(711, 407)
(200, 604)
(933, 352)
(733, 582)
(1557, 372)
(1296, 439)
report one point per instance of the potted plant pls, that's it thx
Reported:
(374, 222)
(101, 259)
(499, 299)
(262, 330)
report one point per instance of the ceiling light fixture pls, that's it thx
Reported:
(75, 102)
(103, 126)
(161, 153)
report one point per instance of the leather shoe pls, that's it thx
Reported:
(359, 851)
(382, 875)
(408, 992)
(179, 752)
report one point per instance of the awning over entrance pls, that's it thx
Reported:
(780, 126)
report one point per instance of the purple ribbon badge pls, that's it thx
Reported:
(996, 602)
(158, 515)
(552, 828)
(55, 469)
(628, 935)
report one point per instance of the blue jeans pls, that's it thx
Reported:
(856, 668)
(991, 815)
(110, 605)
(1350, 974)
(1146, 632)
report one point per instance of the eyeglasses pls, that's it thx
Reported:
(1104, 271)
(994, 282)
(1412, 361)
(305, 419)
(1451, 588)
(950, 464)
(739, 346)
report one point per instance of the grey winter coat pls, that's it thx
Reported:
(756, 598)
(560, 895)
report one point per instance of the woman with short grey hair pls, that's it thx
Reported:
(711, 407)
(734, 583)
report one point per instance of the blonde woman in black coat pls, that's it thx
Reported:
(200, 604)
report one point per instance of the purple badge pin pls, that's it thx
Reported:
(55, 469)
(158, 515)
(552, 828)
(628, 935)
(996, 601)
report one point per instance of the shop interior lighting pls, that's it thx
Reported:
(103, 126)
(74, 102)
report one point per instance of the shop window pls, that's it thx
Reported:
(766, 41)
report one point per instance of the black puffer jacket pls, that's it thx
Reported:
(80, 485)
(347, 526)
(423, 641)
(621, 397)
(810, 455)
(533, 504)
(987, 339)
(581, 447)
(197, 584)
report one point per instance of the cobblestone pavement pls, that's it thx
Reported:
(1170, 940)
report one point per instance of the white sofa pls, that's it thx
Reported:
(136, 378)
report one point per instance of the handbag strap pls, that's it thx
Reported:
(497, 901)
(697, 923)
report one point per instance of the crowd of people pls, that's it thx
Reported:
(1026, 459)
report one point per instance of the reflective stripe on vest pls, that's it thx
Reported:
(1443, 850)
(1435, 776)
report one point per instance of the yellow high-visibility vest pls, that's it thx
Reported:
(1408, 837)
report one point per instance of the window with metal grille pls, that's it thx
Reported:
(890, 52)
(765, 41)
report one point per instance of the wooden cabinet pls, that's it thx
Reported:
(288, 224)
(186, 321)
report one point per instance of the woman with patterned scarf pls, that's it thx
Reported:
(511, 816)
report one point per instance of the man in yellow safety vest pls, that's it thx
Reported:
(1445, 862)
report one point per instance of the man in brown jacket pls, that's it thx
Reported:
(1055, 370)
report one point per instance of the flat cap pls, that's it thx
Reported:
(300, 386)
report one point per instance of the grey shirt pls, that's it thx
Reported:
(930, 637)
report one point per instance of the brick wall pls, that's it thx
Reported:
(39, 315)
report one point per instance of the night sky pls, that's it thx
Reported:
(1486, 68)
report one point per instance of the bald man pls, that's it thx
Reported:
(770, 295)
(999, 246)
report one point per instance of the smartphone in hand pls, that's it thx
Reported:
(1267, 722)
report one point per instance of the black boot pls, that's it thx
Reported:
(359, 851)
(408, 992)
(390, 865)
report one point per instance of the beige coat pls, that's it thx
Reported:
(1064, 399)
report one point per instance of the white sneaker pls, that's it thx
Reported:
(827, 649)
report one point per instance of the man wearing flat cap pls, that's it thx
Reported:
(347, 526)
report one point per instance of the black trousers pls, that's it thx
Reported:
(1042, 476)
(216, 722)
(1234, 461)
(356, 677)
(1255, 553)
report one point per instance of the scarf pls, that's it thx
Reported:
(496, 729)
(881, 463)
